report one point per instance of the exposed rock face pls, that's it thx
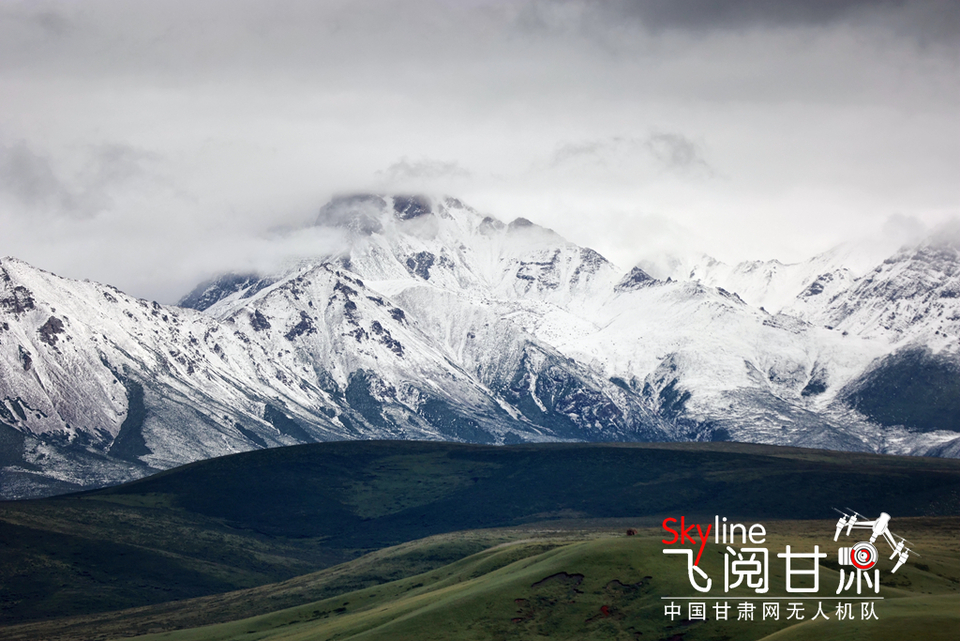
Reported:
(636, 279)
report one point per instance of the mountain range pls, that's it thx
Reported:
(434, 321)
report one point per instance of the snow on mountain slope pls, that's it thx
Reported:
(771, 284)
(98, 387)
(435, 321)
(910, 295)
(905, 370)
(777, 286)
(441, 258)
(914, 294)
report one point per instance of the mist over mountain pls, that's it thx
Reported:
(427, 319)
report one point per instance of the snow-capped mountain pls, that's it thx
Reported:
(435, 321)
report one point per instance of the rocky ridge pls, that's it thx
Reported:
(438, 322)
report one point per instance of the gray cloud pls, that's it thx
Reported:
(28, 178)
(114, 163)
(669, 151)
(922, 19)
(710, 14)
(822, 118)
(903, 230)
(423, 169)
(948, 232)
(676, 151)
(592, 150)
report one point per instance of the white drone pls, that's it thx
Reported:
(879, 528)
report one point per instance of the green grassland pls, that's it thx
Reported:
(372, 569)
(604, 585)
(312, 527)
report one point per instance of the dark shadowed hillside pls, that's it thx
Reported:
(265, 516)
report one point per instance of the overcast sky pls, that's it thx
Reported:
(151, 144)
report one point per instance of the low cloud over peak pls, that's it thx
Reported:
(135, 136)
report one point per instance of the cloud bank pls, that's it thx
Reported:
(151, 144)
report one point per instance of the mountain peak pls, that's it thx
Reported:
(430, 320)
(635, 279)
(408, 207)
(368, 213)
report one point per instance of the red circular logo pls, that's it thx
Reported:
(864, 555)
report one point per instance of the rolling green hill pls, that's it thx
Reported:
(254, 519)
(545, 583)
(553, 580)
(604, 587)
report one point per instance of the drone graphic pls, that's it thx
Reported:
(864, 554)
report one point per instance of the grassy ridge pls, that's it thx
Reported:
(608, 586)
(257, 518)
(376, 568)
